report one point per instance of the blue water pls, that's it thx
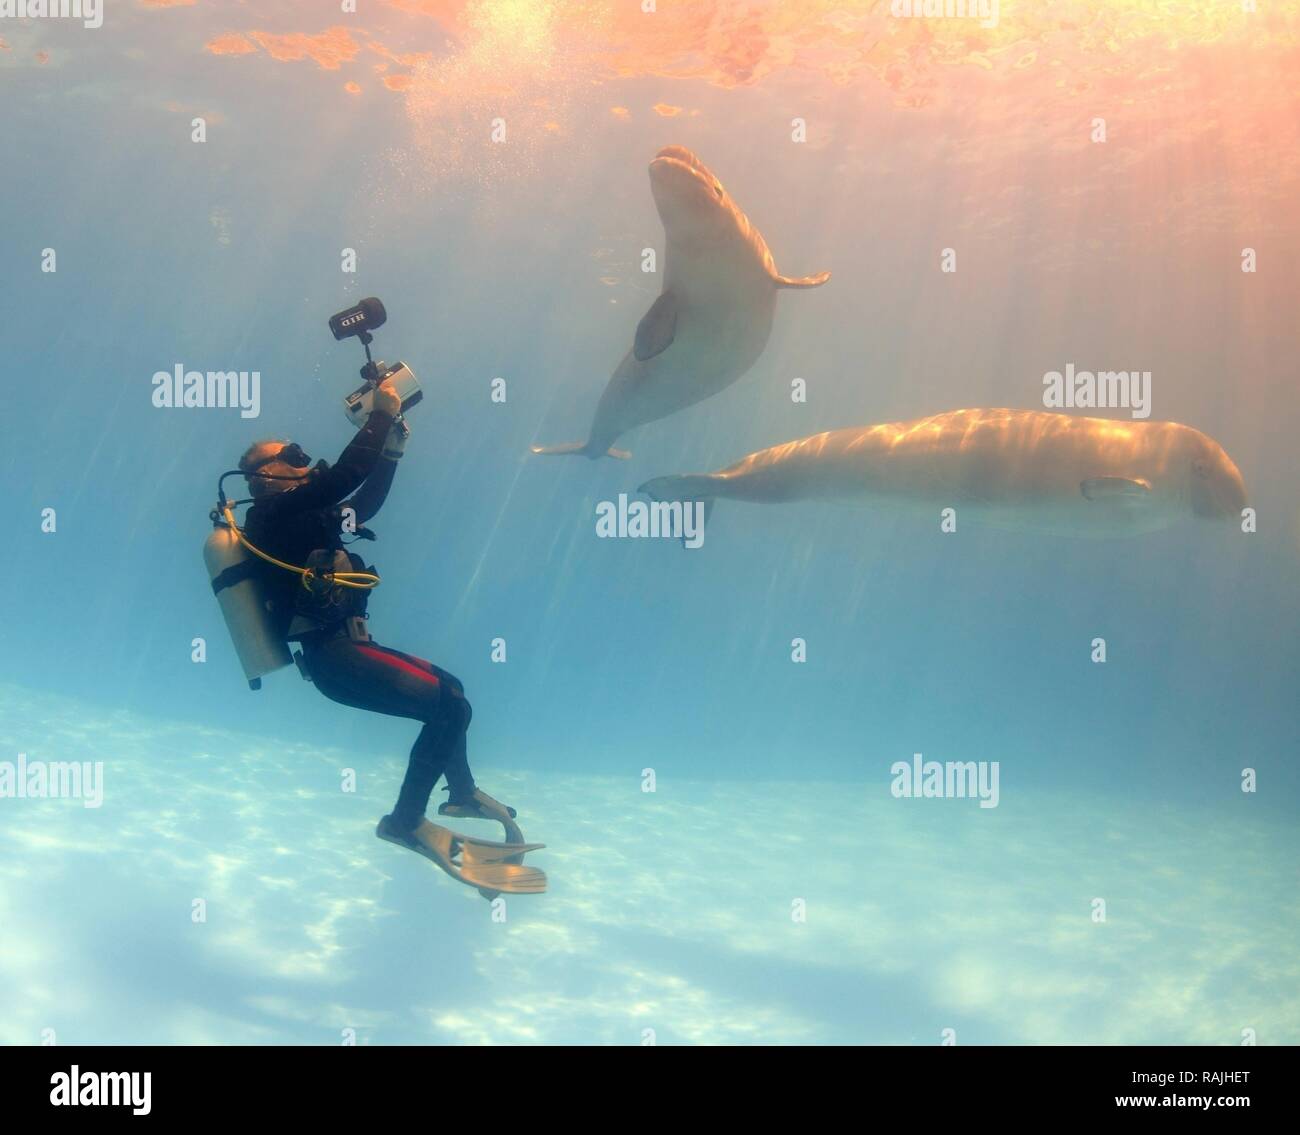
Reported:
(668, 911)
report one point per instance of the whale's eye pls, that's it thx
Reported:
(1201, 467)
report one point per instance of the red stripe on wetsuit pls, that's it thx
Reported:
(400, 663)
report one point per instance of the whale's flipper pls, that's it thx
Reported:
(1114, 488)
(686, 487)
(654, 334)
(801, 281)
(580, 449)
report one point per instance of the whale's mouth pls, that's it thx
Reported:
(685, 156)
(671, 172)
(1218, 489)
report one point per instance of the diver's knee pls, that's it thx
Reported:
(459, 712)
(452, 711)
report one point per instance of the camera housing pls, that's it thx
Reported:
(360, 402)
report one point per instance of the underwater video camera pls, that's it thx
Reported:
(359, 321)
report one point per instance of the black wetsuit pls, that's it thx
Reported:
(291, 525)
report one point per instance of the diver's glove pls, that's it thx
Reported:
(395, 445)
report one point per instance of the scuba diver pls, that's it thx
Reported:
(315, 592)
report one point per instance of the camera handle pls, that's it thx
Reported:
(370, 373)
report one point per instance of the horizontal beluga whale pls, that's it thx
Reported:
(1017, 469)
(713, 317)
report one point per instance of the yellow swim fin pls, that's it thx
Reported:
(444, 847)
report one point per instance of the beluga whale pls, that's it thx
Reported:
(713, 317)
(1013, 469)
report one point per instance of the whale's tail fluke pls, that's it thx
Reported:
(702, 487)
(579, 449)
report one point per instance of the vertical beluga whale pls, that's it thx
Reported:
(713, 317)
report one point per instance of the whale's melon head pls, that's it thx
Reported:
(1217, 490)
(692, 203)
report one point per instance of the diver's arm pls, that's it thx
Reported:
(369, 499)
(329, 486)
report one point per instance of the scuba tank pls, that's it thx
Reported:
(235, 583)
